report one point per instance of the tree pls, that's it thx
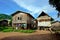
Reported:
(56, 4)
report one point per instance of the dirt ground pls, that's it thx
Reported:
(39, 35)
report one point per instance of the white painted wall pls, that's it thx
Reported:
(47, 23)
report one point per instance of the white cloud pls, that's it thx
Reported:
(35, 6)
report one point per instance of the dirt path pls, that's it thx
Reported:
(39, 35)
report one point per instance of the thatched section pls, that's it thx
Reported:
(44, 16)
(56, 24)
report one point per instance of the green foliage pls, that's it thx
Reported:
(56, 4)
(25, 31)
(10, 29)
(4, 28)
(4, 16)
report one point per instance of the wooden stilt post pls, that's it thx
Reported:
(38, 28)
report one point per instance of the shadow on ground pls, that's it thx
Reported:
(34, 37)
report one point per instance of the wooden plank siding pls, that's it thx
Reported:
(44, 21)
(26, 19)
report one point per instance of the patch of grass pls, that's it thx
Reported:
(25, 31)
(10, 29)
(7, 29)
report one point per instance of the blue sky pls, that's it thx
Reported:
(34, 7)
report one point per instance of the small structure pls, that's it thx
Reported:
(44, 21)
(56, 25)
(3, 22)
(22, 20)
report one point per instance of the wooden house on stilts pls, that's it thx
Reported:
(44, 21)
